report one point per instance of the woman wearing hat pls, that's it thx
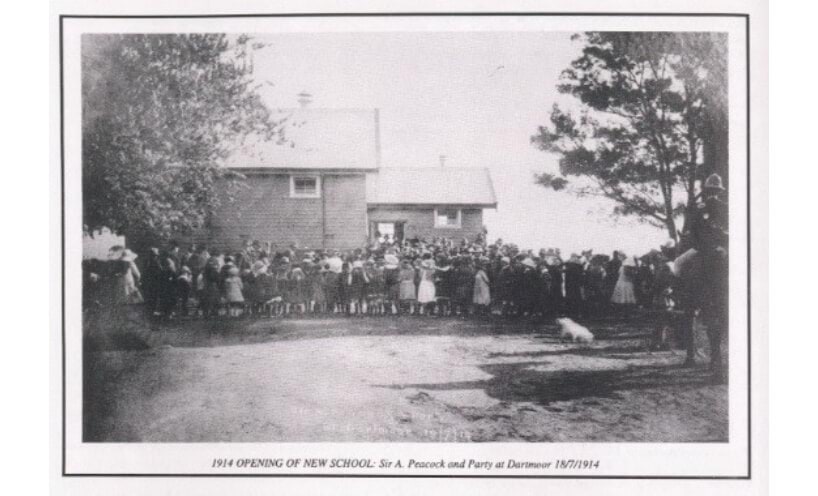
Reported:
(445, 285)
(528, 280)
(505, 286)
(407, 290)
(184, 286)
(343, 287)
(151, 282)
(167, 286)
(482, 293)
(329, 281)
(623, 293)
(574, 272)
(233, 295)
(210, 297)
(426, 288)
(254, 282)
(126, 281)
(297, 293)
(357, 288)
(463, 286)
(391, 275)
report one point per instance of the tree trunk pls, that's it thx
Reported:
(670, 224)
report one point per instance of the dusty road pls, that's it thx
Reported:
(395, 380)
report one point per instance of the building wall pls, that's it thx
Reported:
(345, 197)
(420, 222)
(264, 211)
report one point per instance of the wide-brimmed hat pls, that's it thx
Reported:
(529, 263)
(259, 267)
(391, 260)
(552, 260)
(115, 253)
(713, 181)
(128, 255)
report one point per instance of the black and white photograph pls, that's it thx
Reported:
(521, 235)
(328, 272)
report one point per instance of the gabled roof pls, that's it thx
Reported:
(314, 138)
(431, 186)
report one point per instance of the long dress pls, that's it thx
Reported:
(392, 284)
(464, 291)
(357, 285)
(482, 294)
(623, 293)
(131, 285)
(329, 282)
(407, 285)
(297, 287)
(316, 280)
(426, 288)
(233, 289)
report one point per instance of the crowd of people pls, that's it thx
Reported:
(438, 277)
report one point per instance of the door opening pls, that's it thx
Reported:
(387, 231)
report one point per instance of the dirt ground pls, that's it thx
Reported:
(392, 379)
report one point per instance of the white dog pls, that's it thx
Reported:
(574, 332)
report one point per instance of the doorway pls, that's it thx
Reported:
(392, 230)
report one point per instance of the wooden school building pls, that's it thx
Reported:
(325, 187)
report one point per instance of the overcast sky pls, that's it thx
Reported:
(476, 98)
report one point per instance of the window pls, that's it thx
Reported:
(447, 218)
(305, 187)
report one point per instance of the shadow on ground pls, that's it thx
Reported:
(521, 382)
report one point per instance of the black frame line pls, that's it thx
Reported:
(413, 14)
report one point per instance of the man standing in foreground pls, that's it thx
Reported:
(705, 279)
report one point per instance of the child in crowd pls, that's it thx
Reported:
(441, 277)
(343, 288)
(376, 288)
(254, 282)
(444, 286)
(297, 293)
(407, 291)
(482, 293)
(330, 285)
(426, 288)
(281, 284)
(391, 281)
(184, 285)
(464, 287)
(233, 291)
(318, 299)
(357, 288)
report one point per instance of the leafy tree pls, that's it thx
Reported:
(645, 134)
(159, 113)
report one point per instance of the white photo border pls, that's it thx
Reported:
(111, 459)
